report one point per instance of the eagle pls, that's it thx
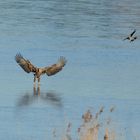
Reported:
(28, 67)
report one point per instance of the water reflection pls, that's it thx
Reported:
(49, 97)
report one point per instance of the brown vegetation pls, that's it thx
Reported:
(92, 128)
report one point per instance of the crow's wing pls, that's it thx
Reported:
(53, 69)
(132, 33)
(26, 65)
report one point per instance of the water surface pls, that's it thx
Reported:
(102, 70)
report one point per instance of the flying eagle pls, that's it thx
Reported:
(131, 37)
(28, 67)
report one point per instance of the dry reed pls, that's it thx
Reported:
(89, 129)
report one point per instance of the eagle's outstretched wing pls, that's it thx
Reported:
(51, 70)
(25, 64)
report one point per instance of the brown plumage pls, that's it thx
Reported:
(28, 67)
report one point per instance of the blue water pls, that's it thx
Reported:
(102, 69)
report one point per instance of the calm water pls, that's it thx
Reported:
(102, 70)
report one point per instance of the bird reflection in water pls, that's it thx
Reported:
(49, 97)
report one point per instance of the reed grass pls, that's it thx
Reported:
(90, 127)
